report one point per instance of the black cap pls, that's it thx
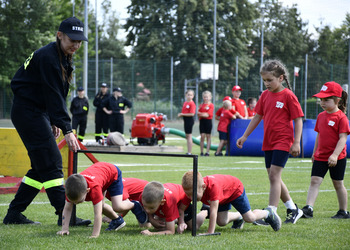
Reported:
(73, 28)
(104, 85)
(80, 89)
(117, 89)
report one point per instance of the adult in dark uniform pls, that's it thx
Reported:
(116, 107)
(101, 118)
(40, 88)
(79, 109)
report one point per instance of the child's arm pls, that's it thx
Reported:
(169, 229)
(245, 112)
(66, 214)
(97, 219)
(156, 222)
(252, 125)
(333, 159)
(298, 128)
(214, 206)
(182, 226)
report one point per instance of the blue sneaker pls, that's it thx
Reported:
(273, 219)
(140, 214)
(116, 224)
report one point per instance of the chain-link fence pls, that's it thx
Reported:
(158, 86)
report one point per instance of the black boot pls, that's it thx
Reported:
(14, 217)
(78, 221)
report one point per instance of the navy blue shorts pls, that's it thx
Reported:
(188, 124)
(116, 188)
(222, 135)
(276, 157)
(320, 168)
(241, 204)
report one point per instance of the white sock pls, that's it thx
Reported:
(290, 204)
(273, 208)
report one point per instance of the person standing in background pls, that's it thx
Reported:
(80, 109)
(239, 104)
(101, 118)
(116, 107)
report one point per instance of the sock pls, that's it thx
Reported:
(311, 207)
(273, 208)
(290, 205)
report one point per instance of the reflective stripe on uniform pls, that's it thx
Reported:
(81, 137)
(98, 134)
(33, 183)
(105, 135)
(53, 183)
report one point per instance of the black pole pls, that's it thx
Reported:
(75, 171)
(194, 196)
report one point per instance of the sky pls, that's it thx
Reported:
(315, 12)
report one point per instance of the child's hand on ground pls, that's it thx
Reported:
(63, 232)
(146, 232)
(181, 228)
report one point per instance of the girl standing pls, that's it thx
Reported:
(279, 107)
(188, 111)
(332, 127)
(205, 115)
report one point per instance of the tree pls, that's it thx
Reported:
(184, 30)
(25, 27)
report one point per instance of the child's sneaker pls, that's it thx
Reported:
(218, 154)
(238, 224)
(206, 154)
(307, 212)
(341, 214)
(273, 219)
(293, 215)
(138, 211)
(260, 223)
(116, 224)
(202, 154)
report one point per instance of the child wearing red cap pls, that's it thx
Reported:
(239, 104)
(332, 127)
(279, 107)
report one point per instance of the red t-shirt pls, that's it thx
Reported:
(239, 105)
(225, 120)
(278, 111)
(219, 111)
(189, 107)
(329, 126)
(224, 188)
(133, 188)
(174, 195)
(99, 177)
(206, 108)
(251, 112)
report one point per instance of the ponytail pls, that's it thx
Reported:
(343, 101)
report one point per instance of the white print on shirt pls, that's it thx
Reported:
(169, 191)
(279, 104)
(90, 176)
(206, 107)
(187, 106)
(242, 102)
(331, 123)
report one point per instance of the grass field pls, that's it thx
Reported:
(321, 232)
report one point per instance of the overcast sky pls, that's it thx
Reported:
(316, 13)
